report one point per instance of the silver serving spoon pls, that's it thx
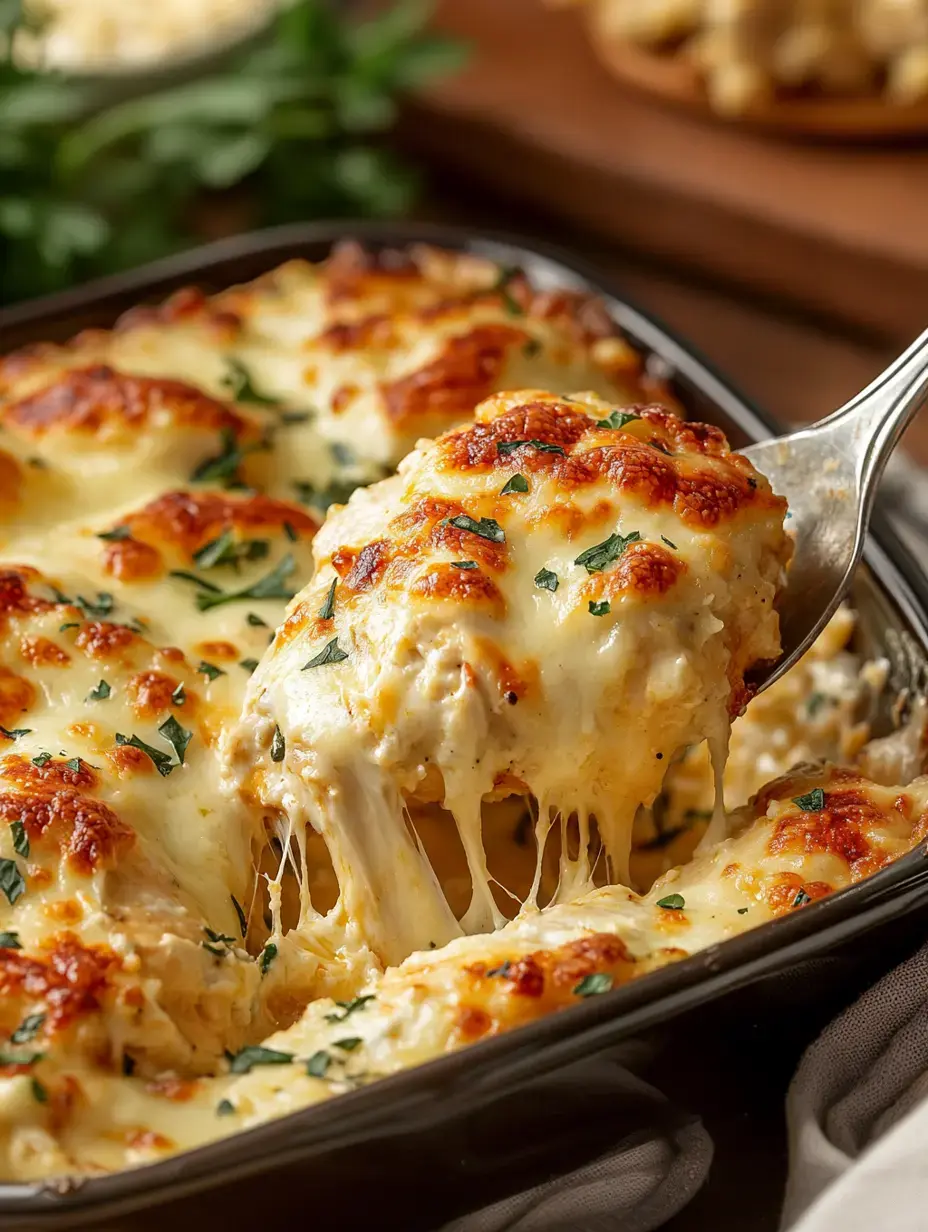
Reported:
(829, 474)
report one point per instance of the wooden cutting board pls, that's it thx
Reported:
(838, 231)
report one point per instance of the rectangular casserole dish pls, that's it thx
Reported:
(441, 1115)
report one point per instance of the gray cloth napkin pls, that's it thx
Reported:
(660, 1159)
(857, 1115)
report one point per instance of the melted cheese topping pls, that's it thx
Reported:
(198, 863)
(467, 636)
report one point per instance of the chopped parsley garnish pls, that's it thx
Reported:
(94, 609)
(255, 621)
(501, 971)
(28, 1029)
(343, 454)
(116, 535)
(486, 528)
(801, 899)
(13, 733)
(511, 304)
(318, 1064)
(672, 902)
(69, 624)
(41, 759)
(617, 419)
(321, 498)
(518, 483)
(39, 1094)
(531, 348)
(505, 448)
(224, 466)
(662, 448)
(100, 692)
(179, 696)
(464, 564)
(210, 670)
(74, 763)
(162, 761)
(238, 382)
(10, 941)
(596, 558)
(349, 1007)
(291, 532)
(242, 917)
(243, 1062)
(225, 1107)
(22, 1058)
(812, 802)
(186, 576)
(226, 550)
(327, 611)
(248, 664)
(177, 737)
(814, 703)
(20, 838)
(271, 586)
(599, 607)
(546, 580)
(218, 938)
(669, 543)
(742, 910)
(278, 745)
(295, 417)
(11, 881)
(593, 985)
(330, 653)
(268, 954)
(348, 1044)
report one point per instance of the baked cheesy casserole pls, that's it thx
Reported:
(297, 790)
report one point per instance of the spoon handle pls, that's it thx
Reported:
(871, 424)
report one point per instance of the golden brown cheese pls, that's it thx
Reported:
(556, 570)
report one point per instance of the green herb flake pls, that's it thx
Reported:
(617, 419)
(742, 910)
(39, 1094)
(812, 802)
(349, 1007)
(210, 670)
(11, 881)
(218, 938)
(593, 985)
(162, 761)
(268, 954)
(814, 703)
(486, 528)
(239, 384)
(599, 607)
(74, 763)
(501, 971)
(41, 759)
(179, 695)
(271, 586)
(219, 551)
(318, 1064)
(20, 839)
(291, 532)
(186, 576)
(505, 448)
(28, 1029)
(13, 733)
(278, 745)
(248, 664)
(349, 1044)
(518, 483)
(116, 535)
(96, 609)
(596, 558)
(464, 564)
(546, 580)
(531, 348)
(10, 941)
(801, 899)
(225, 1107)
(224, 465)
(672, 902)
(255, 621)
(669, 543)
(69, 624)
(244, 1062)
(242, 917)
(501, 287)
(177, 737)
(330, 653)
(327, 611)
(100, 692)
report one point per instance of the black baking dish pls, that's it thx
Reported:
(438, 1114)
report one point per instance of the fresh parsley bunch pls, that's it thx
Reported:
(88, 187)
